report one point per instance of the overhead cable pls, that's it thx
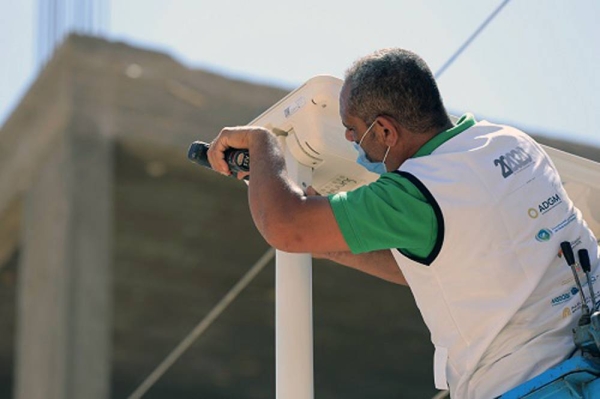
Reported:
(473, 36)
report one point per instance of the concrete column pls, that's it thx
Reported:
(64, 301)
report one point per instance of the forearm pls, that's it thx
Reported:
(271, 195)
(377, 263)
(285, 217)
(283, 214)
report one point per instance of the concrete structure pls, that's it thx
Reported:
(57, 172)
(65, 270)
(61, 166)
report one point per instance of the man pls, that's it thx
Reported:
(455, 216)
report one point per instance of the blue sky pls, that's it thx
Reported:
(535, 65)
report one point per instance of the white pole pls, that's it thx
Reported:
(293, 312)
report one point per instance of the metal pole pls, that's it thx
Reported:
(293, 313)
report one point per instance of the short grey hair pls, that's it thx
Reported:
(396, 83)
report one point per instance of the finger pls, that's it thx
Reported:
(234, 137)
(229, 137)
(216, 153)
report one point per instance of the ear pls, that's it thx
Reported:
(388, 131)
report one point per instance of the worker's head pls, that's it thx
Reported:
(390, 90)
(396, 83)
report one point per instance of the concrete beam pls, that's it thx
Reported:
(56, 157)
(64, 299)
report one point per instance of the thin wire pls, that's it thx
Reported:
(474, 35)
(203, 325)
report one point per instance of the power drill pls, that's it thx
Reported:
(238, 160)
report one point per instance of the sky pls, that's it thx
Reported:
(535, 66)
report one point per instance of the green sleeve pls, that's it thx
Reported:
(389, 213)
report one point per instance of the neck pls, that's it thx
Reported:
(408, 148)
(422, 138)
(411, 143)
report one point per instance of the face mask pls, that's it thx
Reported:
(375, 167)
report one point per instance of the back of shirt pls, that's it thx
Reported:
(495, 294)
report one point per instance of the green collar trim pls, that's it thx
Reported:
(466, 121)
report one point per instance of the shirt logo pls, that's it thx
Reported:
(560, 299)
(533, 213)
(544, 206)
(564, 223)
(513, 161)
(543, 235)
(565, 296)
(550, 203)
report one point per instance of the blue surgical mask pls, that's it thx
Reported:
(375, 167)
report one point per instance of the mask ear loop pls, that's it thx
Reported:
(367, 132)
(385, 156)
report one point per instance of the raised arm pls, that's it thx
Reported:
(284, 215)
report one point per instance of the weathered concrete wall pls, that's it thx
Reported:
(57, 158)
(65, 296)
